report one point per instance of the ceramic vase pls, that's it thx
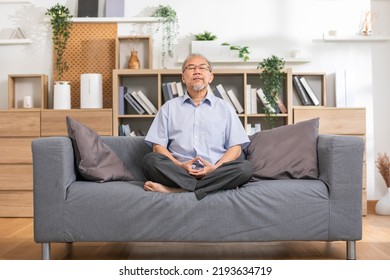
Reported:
(382, 207)
(61, 97)
(134, 61)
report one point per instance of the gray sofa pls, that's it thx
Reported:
(68, 209)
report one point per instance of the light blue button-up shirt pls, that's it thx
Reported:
(187, 130)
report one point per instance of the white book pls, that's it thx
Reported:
(147, 102)
(235, 101)
(173, 88)
(253, 101)
(180, 90)
(141, 102)
(224, 95)
(263, 98)
(309, 91)
(341, 90)
(248, 107)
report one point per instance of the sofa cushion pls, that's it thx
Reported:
(285, 152)
(95, 160)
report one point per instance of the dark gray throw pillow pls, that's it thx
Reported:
(94, 159)
(285, 152)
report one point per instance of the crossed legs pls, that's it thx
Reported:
(165, 176)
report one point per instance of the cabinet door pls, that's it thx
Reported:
(20, 123)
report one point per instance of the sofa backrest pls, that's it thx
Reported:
(131, 150)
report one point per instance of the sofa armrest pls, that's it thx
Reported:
(53, 172)
(340, 160)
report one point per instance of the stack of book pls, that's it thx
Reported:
(171, 90)
(229, 96)
(138, 100)
(253, 94)
(125, 130)
(305, 92)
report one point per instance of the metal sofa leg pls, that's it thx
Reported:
(351, 250)
(45, 251)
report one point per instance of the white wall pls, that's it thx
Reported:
(266, 26)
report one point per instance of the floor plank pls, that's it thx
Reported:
(17, 243)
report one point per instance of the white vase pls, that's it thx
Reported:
(382, 207)
(61, 97)
(91, 95)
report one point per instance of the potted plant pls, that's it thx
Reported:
(382, 207)
(243, 52)
(205, 43)
(60, 20)
(170, 27)
(272, 76)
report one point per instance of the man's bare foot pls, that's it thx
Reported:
(157, 187)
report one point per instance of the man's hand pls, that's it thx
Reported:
(201, 167)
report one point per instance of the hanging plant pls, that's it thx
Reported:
(273, 76)
(243, 52)
(170, 27)
(60, 20)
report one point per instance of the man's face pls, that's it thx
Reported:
(197, 75)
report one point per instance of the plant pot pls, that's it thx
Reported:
(382, 207)
(61, 96)
(210, 49)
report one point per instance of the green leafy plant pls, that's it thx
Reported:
(205, 36)
(60, 20)
(243, 52)
(273, 76)
(170, 29)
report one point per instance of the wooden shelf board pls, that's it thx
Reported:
(15, 41)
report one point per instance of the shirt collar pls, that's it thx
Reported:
(210, 97)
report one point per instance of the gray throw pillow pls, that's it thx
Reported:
(285, 152)
(94, 159)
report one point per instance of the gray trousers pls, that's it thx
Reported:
(160, 169)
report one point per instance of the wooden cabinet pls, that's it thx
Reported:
(339, 121)
(53, 122)
(150, 82)
(17, 129)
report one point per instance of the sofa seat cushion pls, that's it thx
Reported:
(258, 211)
(285, 152)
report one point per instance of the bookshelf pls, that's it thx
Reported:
(142, 44)
(150, 83)
(317, 81)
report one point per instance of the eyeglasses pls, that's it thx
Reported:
(201, 67)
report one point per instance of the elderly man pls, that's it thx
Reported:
(197, 139)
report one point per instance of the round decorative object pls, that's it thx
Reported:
(382, 207)
(134, 61)
(62, 98)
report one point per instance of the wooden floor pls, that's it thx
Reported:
(16, 243)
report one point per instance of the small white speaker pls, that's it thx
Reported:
(91, 91)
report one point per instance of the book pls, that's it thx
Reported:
(224, 95)
(133, 103)
(141, 102)
(248, 99)
(121, 100)
(235, 101)
(173, 89)
(215, 92)
(180, 90)
(263, 99)
(147, 102)
(165, 92)
(253, 101)
(280, 103)
(340, 88)
(301, 92)
(309, 91)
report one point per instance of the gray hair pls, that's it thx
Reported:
(196, 55)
